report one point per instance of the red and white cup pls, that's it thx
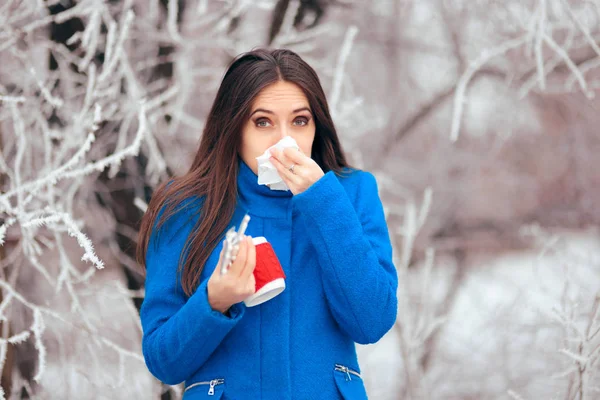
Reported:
(268, 273)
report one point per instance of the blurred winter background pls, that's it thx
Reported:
(479, 119)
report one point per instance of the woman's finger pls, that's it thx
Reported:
(285, 173)
(217, 269)
(296, 156)
(251, 284)
(281, 156)
(250, 260)
(240, 260)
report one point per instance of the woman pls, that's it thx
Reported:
(328, 231)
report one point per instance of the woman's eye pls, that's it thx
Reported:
(262, 123)
(302, 121)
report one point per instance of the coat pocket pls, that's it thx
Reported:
(212, 389)
(349, 383)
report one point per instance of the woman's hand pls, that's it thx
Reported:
(305, 172)
(238, 283)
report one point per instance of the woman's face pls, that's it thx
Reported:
(279, 110)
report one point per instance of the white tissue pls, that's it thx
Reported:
(267, 173)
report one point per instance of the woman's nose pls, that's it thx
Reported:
(283, 132)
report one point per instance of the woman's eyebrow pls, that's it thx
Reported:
(302, 109)
(271, 112)
(262, 110)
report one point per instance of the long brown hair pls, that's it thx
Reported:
(213, 174)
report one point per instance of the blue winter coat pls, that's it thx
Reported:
(333, 243)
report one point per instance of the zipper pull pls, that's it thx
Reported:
(211, 389)
(349, 378)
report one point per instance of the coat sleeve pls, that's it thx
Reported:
(179, 333)
(354, 250)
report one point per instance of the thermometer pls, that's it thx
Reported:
(232, 244)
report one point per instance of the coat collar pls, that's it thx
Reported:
(258, 199)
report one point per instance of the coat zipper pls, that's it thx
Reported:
(347, 371)
(211, 388)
